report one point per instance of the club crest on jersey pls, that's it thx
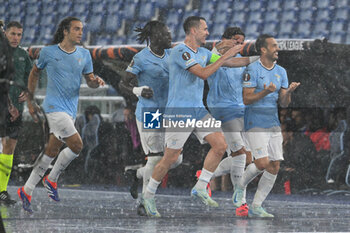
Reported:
(186, 56)
(277, 76)
(246, 77)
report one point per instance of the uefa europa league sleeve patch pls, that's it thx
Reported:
(132, 63)
(186, 56)
(246, 77)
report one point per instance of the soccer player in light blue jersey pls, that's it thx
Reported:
(148, 78)
(225, 103)
(265, 85)
(65, 64)
(188, 67)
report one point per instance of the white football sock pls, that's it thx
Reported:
(148, 170)
(265, 185)
(237, 168)
(249, 174)
(64, 158)
(203, 179)
(37, 174)
(151, 188)
(224, 167)
(140, 172)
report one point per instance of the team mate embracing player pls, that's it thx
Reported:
(225, 103)
(265, 84)
(148, 78)
(188, 67)
(65, 64)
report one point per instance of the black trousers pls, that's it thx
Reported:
(3, 112)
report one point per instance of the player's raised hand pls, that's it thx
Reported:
(99, 80)
(232, 52)
(271, 87)
(293, 86)
(94, 81)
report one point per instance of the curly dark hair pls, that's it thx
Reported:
(64, 25)
(145, 33)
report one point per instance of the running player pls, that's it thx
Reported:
(23, 65)
(65, 64)
(264, 85)
(225, 103)
(187, 70)
(148, 78)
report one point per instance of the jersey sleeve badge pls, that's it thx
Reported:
(246, 77)
(186, 56)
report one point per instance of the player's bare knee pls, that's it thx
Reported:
(239, 152)
(220, 148)
(274, 167)
(249, 158)
(75, 144)
(76, 148)
(172, 159)
(261, 164)
(171, 156)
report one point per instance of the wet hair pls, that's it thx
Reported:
(261, 42)
(190, 22)
(64, 25)
(151, 28)
(13, 24)
(231, 31)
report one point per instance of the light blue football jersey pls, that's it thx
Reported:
(186, 89)
(151, 70)
(224, 99)
(264, 112)
(64, 74)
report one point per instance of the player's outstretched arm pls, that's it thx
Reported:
(217, 62)
(93, 81)
(240, 61)
(237, 62)
(285, 94)
(129, 86)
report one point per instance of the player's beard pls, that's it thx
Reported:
(274, 57)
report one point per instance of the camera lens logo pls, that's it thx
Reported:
(151, 120)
